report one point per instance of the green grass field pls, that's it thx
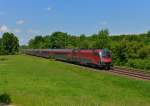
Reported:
(33, 81)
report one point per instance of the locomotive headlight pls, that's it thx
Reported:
(100, 54)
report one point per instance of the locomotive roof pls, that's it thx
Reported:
(67, 50)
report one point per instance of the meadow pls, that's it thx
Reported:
(34, 81)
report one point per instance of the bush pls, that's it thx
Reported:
(139, 63)
(5, 98)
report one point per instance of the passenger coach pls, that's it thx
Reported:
(96, 57)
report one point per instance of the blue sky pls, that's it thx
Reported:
(27, 18)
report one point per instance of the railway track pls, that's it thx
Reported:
(134, 73)
(131, 72)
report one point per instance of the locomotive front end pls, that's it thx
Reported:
(106, 60)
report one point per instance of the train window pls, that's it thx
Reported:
(106, 53)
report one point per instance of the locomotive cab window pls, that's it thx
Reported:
(106, 53)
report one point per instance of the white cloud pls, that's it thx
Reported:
(4, 28)
(19, 22)
(48, 9)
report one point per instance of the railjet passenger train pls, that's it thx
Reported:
(94, 57)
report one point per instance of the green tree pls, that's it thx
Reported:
(119, 52)
(1, 47)
(83, 42)
(103, 40)
(59, 40)
(144, 52)
(37, 42)
(132, 49)
(148, 33)
(10, 43)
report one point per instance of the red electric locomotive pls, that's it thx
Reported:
(95, 57)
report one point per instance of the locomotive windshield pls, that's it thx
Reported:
(105, 53)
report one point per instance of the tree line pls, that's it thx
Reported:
(9, 44)
(128, 50)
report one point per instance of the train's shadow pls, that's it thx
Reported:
(86, 65)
